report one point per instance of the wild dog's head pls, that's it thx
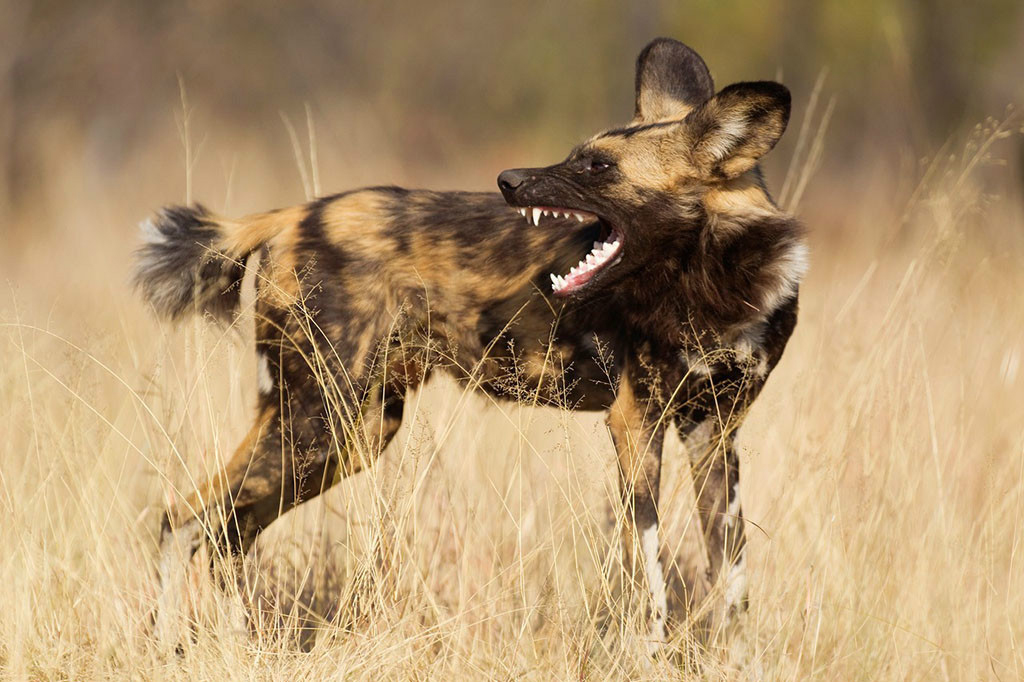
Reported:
(645, 183)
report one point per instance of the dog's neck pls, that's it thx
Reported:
(727, 273)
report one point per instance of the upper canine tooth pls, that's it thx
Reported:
(579, 217)
(536, 216)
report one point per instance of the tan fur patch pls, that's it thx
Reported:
(278, 280)
(742, 196)
(356, 223)
(247, 234)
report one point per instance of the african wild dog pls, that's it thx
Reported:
(680, 305)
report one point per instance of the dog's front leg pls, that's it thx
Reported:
(635, 424)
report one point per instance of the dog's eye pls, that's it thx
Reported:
(594, 166)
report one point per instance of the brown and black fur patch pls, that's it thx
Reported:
(688, 300)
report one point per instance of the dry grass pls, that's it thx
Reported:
(883, 467)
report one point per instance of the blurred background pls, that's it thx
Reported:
(446, 94)
(883, 465)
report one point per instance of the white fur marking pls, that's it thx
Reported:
(176, 549)
(734, 507)
(730, 132)
(656, 583)
(744, 350)
(800, 259)
(263, 377)
(150, 233)
(791, 268)
(696, 365)
(700, 437)
(736, 584)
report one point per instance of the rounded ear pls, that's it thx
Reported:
(736, 127)
(671, 79)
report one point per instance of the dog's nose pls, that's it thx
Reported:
(509, 181)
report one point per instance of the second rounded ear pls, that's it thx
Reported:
(735, 128)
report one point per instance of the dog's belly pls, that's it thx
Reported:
(566, 373)
(581, 386)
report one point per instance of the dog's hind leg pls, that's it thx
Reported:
(279, 464)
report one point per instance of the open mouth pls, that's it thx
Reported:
(604, 254)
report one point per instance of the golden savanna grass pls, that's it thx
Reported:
(883, 474)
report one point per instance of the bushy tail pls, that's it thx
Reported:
(193, 261)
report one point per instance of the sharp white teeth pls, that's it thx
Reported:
(536, 216)
(522, 211)
(547, 212)
(579, 218)
(601, 254)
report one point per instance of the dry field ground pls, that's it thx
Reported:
(883, 468)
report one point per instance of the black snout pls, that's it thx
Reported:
(511, 180)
